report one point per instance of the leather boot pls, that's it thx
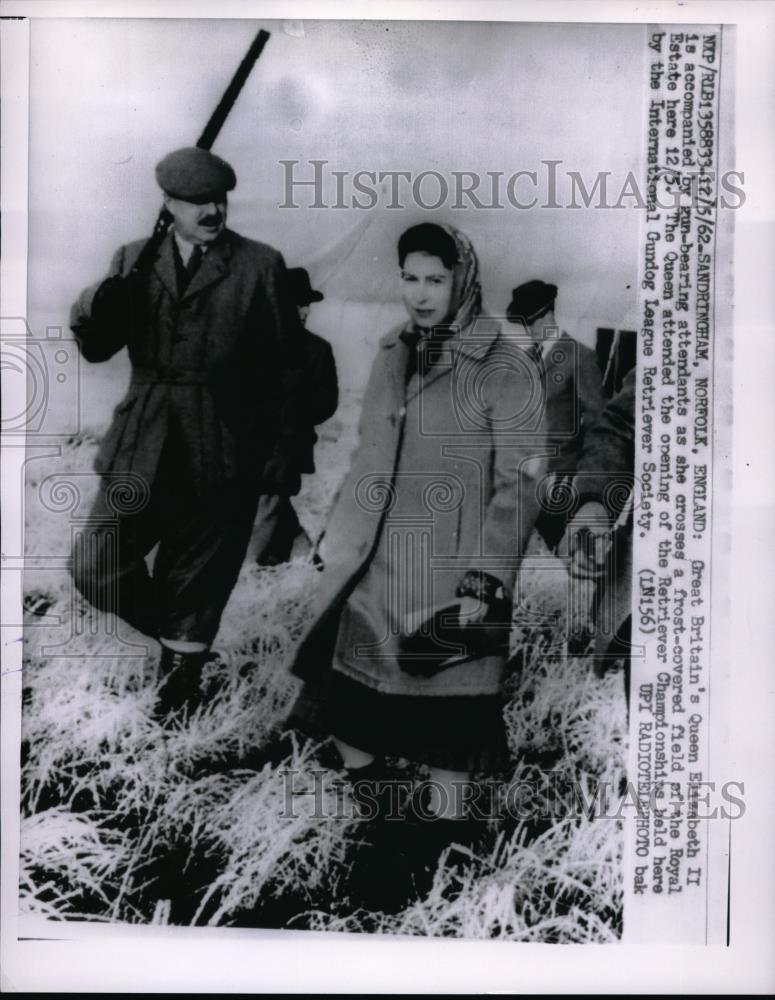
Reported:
(378, 876)
(394, 865)
(428, 837)
(180, 682)
(431, 839)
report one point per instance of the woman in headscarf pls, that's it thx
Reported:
(406, 653)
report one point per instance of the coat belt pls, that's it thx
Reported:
(170, 375)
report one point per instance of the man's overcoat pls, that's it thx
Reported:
(214, 367)
(606, 475)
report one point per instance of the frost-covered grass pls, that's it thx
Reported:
(126, 820)
(189, 824)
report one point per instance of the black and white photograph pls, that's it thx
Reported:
(375, 401)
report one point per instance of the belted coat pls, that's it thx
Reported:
(441, 482)
(217, 366)
(574, 397)
(606, 475)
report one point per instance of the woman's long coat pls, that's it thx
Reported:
(442, 482)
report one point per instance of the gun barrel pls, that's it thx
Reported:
(226, 103)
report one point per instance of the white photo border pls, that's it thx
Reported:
(109, 959)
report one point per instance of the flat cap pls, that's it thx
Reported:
(530, 300)
(194, 174)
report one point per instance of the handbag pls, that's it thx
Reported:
(442, 640)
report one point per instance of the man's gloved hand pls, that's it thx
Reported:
(587, 541)
(116, 300)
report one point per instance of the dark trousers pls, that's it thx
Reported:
(202, 542)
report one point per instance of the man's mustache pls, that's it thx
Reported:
(211, 220)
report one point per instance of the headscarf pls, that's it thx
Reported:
(467, 286)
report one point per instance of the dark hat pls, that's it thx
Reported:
(299, 288)
(194, 174)
(530, 300)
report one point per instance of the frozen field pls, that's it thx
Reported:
(121, 823)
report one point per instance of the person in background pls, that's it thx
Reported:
(211, 420)
(573, 395)
(278, 525)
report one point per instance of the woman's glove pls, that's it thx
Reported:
(482, 596)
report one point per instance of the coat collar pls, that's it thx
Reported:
(214, 266)
(523, 341)
(473, 343)
(550, 358)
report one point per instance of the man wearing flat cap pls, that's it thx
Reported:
(278, 525)
(573, 395)
(210, 423)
